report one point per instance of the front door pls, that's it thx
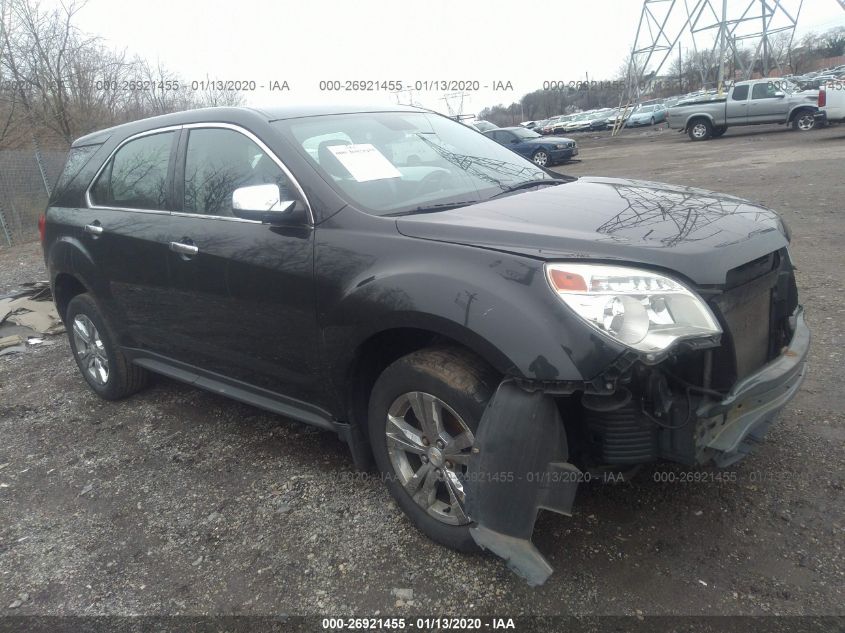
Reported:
(765, 105)
(245, 288)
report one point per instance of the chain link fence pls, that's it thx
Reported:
(23, 192)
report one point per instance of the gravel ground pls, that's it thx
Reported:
(177, 501)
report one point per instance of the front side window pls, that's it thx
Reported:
(400, 162)
(217, 162)
(136, 176)
(763, 91)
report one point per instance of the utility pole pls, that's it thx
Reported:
(765, 60)
(723, 27)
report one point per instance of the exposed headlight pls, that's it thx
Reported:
(642, 309)
(561, 146)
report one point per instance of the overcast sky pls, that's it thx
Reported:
(306, 41)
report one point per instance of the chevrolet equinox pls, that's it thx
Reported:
(491, 333)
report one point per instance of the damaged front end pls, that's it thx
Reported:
(705, 402)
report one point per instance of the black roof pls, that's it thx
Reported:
(239, 115)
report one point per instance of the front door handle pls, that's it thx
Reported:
(184, 249)
(94, 229)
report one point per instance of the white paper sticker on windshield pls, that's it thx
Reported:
(364, 162)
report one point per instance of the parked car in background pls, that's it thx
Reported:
(647, 115)
(832, 102)
(746, 103)
(482, 126)
(544, 151)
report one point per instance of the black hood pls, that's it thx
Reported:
(698, 233)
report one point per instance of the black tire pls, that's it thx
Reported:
(123, 379)
(541, 155)
(465, 384)
(719, 131)
(700, 130)
(804, 121)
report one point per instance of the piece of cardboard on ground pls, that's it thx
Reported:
(32, 308)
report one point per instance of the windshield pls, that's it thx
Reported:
(525, 133)
(646, 109)
(392, 162)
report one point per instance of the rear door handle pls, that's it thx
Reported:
(184, 249)
(94, 229)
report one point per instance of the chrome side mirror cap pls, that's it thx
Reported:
(261, 202)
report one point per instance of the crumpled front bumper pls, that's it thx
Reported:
(727, 430)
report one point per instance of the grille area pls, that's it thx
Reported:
(754, 311)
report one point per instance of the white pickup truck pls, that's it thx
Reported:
(746, 103)
(832, 101)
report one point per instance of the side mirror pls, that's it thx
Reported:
(261, 202)
(780, 95)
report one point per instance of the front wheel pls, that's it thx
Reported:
(700, 130)
(540, 158)
(423, 416)
(804, 121)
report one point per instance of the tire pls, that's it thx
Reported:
(652, 120)
(700, 130)
(100, 360)
(804, 121)
(719, 131)
(458, 384)
(541, 158)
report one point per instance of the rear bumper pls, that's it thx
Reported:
(729, 429)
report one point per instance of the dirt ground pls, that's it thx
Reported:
(177, 501)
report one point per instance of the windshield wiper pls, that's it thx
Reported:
(434, 208)
(528, 184)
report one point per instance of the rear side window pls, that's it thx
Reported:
(136, 176)
(740, 93)
(217, 162)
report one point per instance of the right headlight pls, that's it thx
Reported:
(644, 310)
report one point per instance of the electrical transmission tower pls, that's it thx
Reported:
(724, 40)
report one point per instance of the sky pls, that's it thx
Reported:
(500, 50)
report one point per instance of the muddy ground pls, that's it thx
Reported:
(179, 501)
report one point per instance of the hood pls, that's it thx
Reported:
(697, 233)
(554, 139)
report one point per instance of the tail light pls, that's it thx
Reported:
(42, 226)
(822, 98)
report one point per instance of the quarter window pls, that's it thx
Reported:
(136, 176)
(740, 93)
(217, 162)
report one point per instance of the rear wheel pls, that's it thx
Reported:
(540, 158)
(100, 360)
(700, 130)
(804, 121)
(423, 415)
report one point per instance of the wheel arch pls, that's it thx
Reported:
(65, 287)
(373, 355)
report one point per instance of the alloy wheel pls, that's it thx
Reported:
(90, 349)
(699, 130)
(806, 122)
(541, 158)
(429, 446)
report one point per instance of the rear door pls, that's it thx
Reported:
(246, 296)
(123, 229)
(736, 108)
(765, 106)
